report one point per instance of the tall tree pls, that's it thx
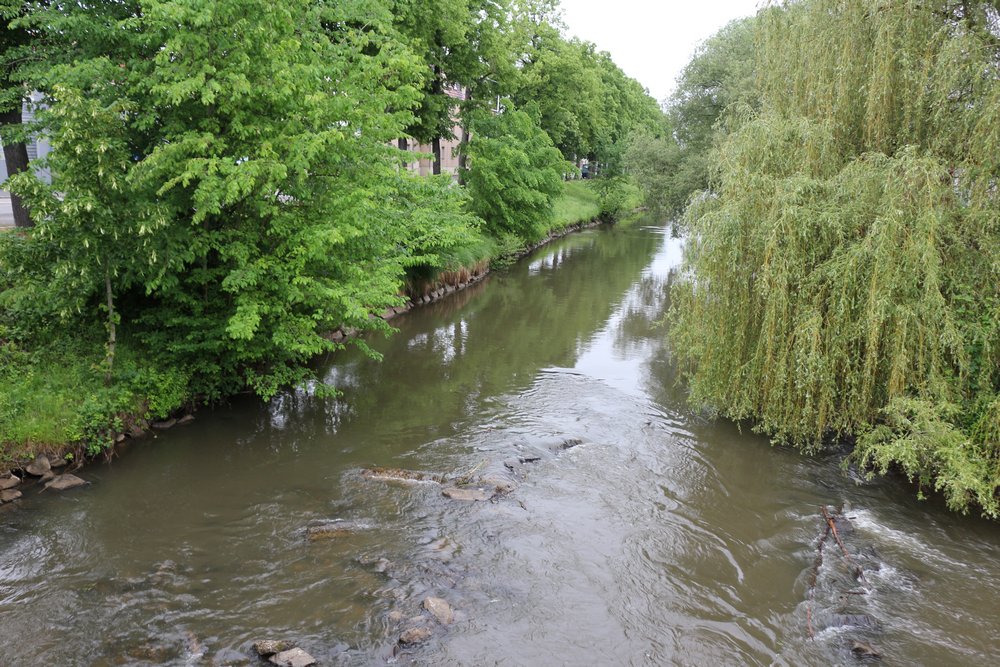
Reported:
(438, 31)
(12, 93)
(843, 275)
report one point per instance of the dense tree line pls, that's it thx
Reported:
(842, 275)
(226, 180)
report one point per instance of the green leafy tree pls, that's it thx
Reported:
(225, 169)
(514, 174)
(842, 274)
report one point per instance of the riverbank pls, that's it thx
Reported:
(55, 403)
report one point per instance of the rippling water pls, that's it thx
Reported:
(663, 539)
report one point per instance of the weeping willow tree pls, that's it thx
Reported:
(842, 276)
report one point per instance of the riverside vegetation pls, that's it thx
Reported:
(842, 274)
(226, 187)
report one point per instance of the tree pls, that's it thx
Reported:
(842, 273)
(438, 31)
(514, 176)
(222, 170)
(12, 92)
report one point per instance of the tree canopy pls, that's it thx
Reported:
(842, 276)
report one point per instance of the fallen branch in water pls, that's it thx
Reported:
(813, 577)
(858, 573)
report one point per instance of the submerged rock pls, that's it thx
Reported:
(466, 495)
(185, 420)
(865, 651)
(570, 443)
(39, 466)
(64, 482)
(440, 610)
(400, 475)
(9, 495)
(265, 648)
(331, 530)
(415, 636)
(9, 482)
(165, 424)
(294, 657)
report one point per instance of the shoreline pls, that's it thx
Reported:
(72, 456)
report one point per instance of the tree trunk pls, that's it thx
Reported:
(436, 145)
(404, 145)
(16, 157)
(463, 158)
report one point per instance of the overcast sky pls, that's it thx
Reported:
(651, 40)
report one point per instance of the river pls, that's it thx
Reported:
(664, 538)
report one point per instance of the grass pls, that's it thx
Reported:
(55, 398)
(578, 203)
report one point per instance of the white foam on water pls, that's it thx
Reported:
(864, 520)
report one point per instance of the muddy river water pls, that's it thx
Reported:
(663, 538)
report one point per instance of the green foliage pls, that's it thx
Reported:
(579, 202)
(515, 175)
(586, 104)
(841, 278)
(55, 396)
(654, 162)
(618, 196)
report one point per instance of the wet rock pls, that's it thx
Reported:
(466, 495)
(39, 466)
(47, 476)
(152, 653)
(865, 651)
(185, 420)
(501, 485)
(843, 524)
(395, 616)
(9, 482)
(415, 636)
(165, 424)
(400, 475)
(9, 495)
(120, 438)
(337, 336)
(294, 657)
(330, 530)
(265, 648)
(570, 443)
(440, 610)
(382, 565)
(56, 462)
(64, 482)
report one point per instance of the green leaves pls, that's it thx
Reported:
(515, 174)
(841, 273)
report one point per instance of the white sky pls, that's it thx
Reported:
(652, 40)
